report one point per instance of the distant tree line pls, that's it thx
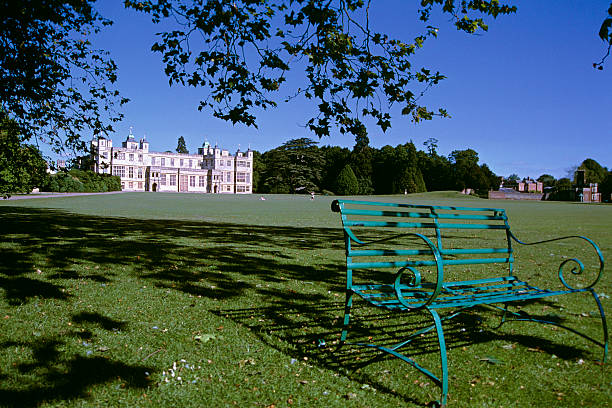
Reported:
(299, 165)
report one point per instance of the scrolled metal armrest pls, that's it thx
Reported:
(578, 268)
(415, 280)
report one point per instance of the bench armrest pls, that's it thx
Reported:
(578, 266)
(415, 278)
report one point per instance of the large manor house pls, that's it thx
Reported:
(212, 170)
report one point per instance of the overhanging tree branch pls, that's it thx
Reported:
(52, 83)
(244, 49)
(605, 33)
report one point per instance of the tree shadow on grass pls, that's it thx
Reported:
(45, 252)
(61, 378)
(170, 253)
(310, 328)
(18, 289)
(97, 319)
(52, 374)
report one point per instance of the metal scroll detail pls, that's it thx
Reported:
(414, 278)
(578, 267)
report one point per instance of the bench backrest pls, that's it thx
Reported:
(381, 236)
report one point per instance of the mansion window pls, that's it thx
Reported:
(173, 179)
(248, 164)
(140, 172)
(228, 177)
(140, 158)
(229, 162)
(171, 162)
(131, 184)
(182, 162)
(119, 171)
(131, 157)
(202, 181)
(130, 172)
(241, 177)
(162, 179)
(163, 161)
(190, 163)
(152, 161)
(120, 156)
(240, 189)
(140, 184)
(192, 181)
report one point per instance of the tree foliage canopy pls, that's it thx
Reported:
(242, 50)
(605, 188)
(594, 172)
(52, 82)
(21, 165)
(181, 146)
(547, 180)
(347, 183)
(296, 166)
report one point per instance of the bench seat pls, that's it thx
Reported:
(456, 294)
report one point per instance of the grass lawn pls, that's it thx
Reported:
(141, 299)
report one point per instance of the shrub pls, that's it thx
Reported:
(77, 181)
(346, 183)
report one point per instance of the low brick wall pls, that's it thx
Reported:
(504, 195)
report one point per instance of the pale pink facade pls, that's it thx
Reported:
(212, 170)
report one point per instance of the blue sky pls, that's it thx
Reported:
(524, 95)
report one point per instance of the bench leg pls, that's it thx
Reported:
(520, 317)
(443, 357)
(347, 315)
(504, 314)
(604, 324)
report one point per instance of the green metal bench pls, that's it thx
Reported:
(427, 249)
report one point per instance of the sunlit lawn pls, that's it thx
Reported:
(143, 299)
